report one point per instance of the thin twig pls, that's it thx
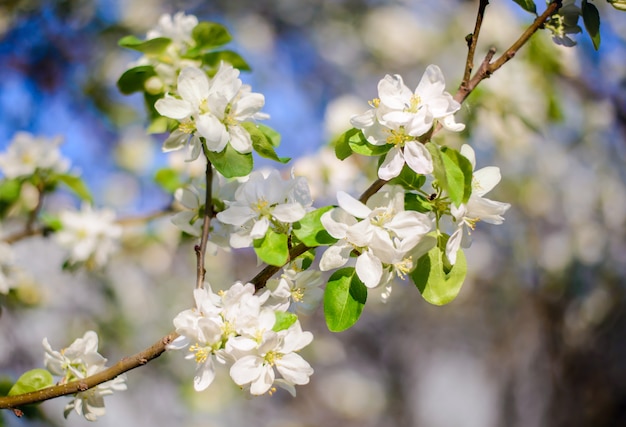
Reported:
(206, 226)
(473, 41)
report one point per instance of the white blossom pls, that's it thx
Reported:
(264, 201)
(477, 208)
(296, 289)
(381, 232)
(399, 116)
(78, 361)
(27, 154)
(211, 108)
(91, 236)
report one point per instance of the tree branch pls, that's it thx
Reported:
(124, 365)
(206, 225)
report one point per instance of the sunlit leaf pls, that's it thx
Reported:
(208, 35)
(458, 175)
(76, 185)
(33, 380)
(261, 143)
(213, 59)
(344, 298)
(154, 46)
(273, 248)
(310, 231)
(284, 320)
(231, 163)
(168, 179)
(437, 284)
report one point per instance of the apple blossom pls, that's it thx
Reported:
(27, 154)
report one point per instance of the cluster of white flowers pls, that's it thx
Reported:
(382, 233)
(399, 116)
(296, 289)
(265, 201)
(167, 65)
(27, 154)
(91, 236)
(237, 328)
(211, 108)
(78, 361)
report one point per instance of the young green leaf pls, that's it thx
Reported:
(32, 380)
(591, 18)
(231, 163)
(77, 185)
(261, 143)
(359, 144)
(417, 202)
(168, 179)
(213, 59)
(310, 230)
(209, 35)
(458, 175)
(342, 148)
(272, 135)
(284, 320)
(439, 171)
(344, 298)
(527, 5)
(133, 79)
(273, 248)
(438, 285)
(154, 46)
(409, 179)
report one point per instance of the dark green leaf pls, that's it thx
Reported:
(231, 163)
(527, 5)
(591, 18)
(133, 79)
(77, 185)
(310, 230)
(33, 380)
(437, 284)
(168, 179)
(209, 35)
(284, 320)
(417, 202)
(213, 59)
(409, 179)
(458, 175)
(344, 298)
(273, 248)
(154, 46)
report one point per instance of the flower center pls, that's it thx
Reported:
(262, 207)
(398, 136)
(403, 267)
(374, 103)
(297, 294)
(187, 127)
(414, 104)
(200, 353)
(272, 356)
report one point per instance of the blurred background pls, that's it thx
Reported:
(537, 336)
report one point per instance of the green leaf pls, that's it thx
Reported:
(33, 380)
(261, 143)
(271, 134)
(591, 18)
(409, 179)
(133, 80)
(273, 248)
(168, 179)
(310, 230)
(231, 163)
(342, 148)
(458, 175)
(209, 35)
(10, 190)
(417, 202)
(527, 5)
(77, 185)
(359, 144)
(344, 298)
(154, 46)
(439, 171)
(284, 320)
(213, 59)
(437, 284)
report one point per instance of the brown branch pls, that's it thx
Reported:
(473, 41)
(206, 226)
(487, 68)
(124, 365)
